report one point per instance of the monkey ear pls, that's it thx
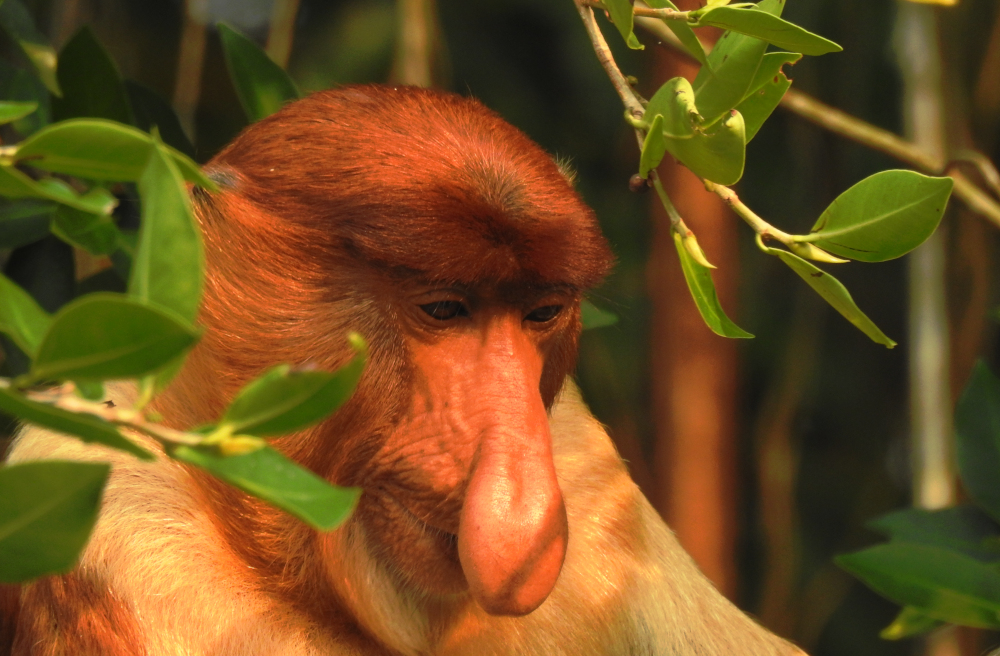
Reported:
(565, 165)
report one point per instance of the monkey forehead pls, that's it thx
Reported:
(422, 180)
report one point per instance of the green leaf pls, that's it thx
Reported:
(699, 280)
(262, 86)
(834, 293)
(621, 15)
(965, 529)
(682, 31)
(732, 67)
(716, 153)
(91, 391)
(882, 217)
(20, 85)
(168, 267)
(766, 91)
(285, 400)
(97, 149)
(91, 85)
(939, 583)
(592, 316)
(11, 111)
(152, 111)
(47, 511)
(107, 336)
(268, 475)
(95, 233)
(977, 428)
(16, 184)
(909, 622)
(654, 147)
(24, 221)
(21, 318)
(17, 22)
(763, 25)
(85, 427)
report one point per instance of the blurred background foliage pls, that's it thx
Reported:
(837, 400)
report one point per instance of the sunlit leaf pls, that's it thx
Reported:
(834, 293)
(262, 86)
(106, 336)
(91, 85)
(732, 68)
(11, 111)
(909, 622)
(268, 475)
(285, 400)
(939, 583)
(16, 184)
(97, 149)
(766, 26)
(21, 318)
(702, 288)
(47, 511)
(654, 147)
(592, 316)
(90, 390)
(682, 31)
(621, 15)
(977, 427)
(882, 217)
(17, 22)
(87, 428)
(168, 267)
(716, 153)
(766, 91)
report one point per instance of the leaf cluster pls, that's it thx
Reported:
(114, 141)
(706, 124)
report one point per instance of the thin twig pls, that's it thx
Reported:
(65, 398)
(862, 132)
(607, 61)
(759, 225)
(642, 10)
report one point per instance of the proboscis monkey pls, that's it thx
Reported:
(496, 517)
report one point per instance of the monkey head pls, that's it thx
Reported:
(455, 245)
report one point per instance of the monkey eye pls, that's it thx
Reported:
(544, 313)
(444, 310)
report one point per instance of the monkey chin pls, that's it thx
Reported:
(425, 557)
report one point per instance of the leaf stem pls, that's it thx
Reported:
(650, 12)
(607, 60)
(65, 398)
(763, 229)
